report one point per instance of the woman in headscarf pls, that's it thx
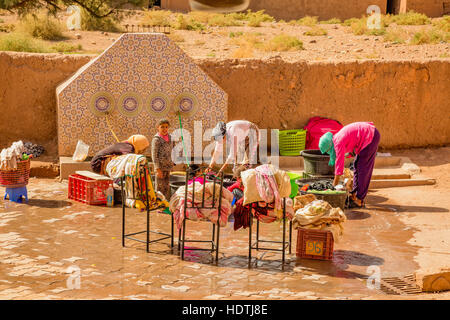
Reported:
(360, 139)
(135, 144)
(239, 135)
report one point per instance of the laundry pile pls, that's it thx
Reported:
(201, 209)
(322, 185)
(264, 212)
(128, 166)
(9, 157)
(318, 214)
(264, 190)
(35, 149)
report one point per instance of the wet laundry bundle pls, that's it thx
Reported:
(322, 185)
(319, 215)
(267, 184)
(128, 166)
(201, 209)
(264, 190)
(264, 212)
(9, 157)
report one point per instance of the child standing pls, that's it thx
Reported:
(162, 157)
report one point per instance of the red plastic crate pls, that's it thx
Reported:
(16, 178)
(315, 244)
(88, 190)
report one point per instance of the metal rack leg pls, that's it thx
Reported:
(284, 234)
(257, 234)
(217, 243)
(213, 236)
(290, 237)
(171, 230)
(123, 212)
(250, 240)
(148, 231)
(184, 234)
(179, 240)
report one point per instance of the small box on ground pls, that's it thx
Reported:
(88, 190)
(315, 244)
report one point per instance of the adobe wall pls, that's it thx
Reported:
(432, 8)
(176, 5)
(409, 101)
(295, 9)
(27, 94)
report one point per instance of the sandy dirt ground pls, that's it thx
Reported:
(402, 230)
(215, 42)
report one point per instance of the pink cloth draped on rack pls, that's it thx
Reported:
(201, 211)
(267, 186)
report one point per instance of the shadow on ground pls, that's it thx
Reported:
(42, 203)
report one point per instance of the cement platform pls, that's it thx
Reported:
(388, 172)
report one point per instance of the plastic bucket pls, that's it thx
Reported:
(316, 163)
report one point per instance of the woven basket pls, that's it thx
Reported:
(16, 178)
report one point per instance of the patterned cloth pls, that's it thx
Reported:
(163, 184)
(319, 215)
(198, 210)
(262, 211)
(162, 153)
(267, 185)
(120, 148)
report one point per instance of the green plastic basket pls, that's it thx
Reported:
(291, 142)
(294, 185)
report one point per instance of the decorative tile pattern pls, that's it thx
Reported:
(186, 103)
(158, 104)
(139, 79)
(101, 103)
(130, 104)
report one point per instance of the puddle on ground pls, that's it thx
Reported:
(40, 242)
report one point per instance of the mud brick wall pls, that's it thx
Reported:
(432, 8)
(409, 101)
(295, 9)
(27, 94)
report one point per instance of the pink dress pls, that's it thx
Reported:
(351, 138)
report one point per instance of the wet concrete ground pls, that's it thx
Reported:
(44, 244)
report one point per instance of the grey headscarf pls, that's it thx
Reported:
(219, 130)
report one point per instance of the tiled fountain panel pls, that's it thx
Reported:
(141, 78)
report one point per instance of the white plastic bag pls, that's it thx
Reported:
(81, 151)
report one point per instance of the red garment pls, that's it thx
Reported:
(241, 213)
(236, 185)
(166, 137)
(317, 127)
(200, 180)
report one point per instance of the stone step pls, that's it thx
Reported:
(388, 173)
(392, 183)
(378, 174)
(297, 161)
(43, 169)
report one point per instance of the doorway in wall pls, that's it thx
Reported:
(390, 8)
(154, 3)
